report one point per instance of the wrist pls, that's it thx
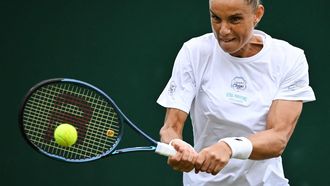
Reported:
(241, 147)
(226, 148)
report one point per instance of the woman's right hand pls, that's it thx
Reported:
(185, 158)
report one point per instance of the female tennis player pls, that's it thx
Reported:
(244, 91)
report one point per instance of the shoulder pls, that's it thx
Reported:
(278, 46)
(201, 43)
(286, 56)
(285, 48)
(281, 48)
(197, 53)
(206, 38)
(282, 52)
(292, 57)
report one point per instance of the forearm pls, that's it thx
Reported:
(172, 129)
(267, 144)
(281, 121)
(173, 125)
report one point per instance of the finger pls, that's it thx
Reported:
(217, 169)
(188, 155)
(206, 165)
(182, 149)
(174, 160)
(182, 161)
(211, 168)
(187, 167)
(199, 162)
(194, 157)
(191, 157)
(177, 147)
(188, 161)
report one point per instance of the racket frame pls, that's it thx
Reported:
(158, 147)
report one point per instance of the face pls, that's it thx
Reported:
(232, 23)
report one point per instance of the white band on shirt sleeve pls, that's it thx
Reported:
(241, 147)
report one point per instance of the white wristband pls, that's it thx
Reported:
(241, 147)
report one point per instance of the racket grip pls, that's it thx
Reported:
(165, 149)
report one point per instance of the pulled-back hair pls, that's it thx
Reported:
(254, 3)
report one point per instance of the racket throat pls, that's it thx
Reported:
(134, 149)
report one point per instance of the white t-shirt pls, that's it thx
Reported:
(229, 96)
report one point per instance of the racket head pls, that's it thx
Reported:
(98, 120)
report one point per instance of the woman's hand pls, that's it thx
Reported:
(213, 158)
(185, 158)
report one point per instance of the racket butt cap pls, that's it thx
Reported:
(165, 149)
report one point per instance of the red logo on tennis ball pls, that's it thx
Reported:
(65, 135)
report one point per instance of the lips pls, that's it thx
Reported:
(226, 40)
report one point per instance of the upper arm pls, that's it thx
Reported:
(283, 116)
(173, 124)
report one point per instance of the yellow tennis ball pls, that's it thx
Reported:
(65, 135)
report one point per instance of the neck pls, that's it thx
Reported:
(253, 47)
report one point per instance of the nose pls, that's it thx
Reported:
(224, 29)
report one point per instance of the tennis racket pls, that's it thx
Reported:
(98, 120)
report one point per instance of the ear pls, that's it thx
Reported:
(259, 13)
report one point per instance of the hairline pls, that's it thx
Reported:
(253, 3)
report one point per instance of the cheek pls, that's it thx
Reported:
(214, 27)
(244, 33)
(215, 31)
(243, 36)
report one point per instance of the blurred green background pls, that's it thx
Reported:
(127, 49)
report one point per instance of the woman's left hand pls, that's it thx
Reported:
(213, 158)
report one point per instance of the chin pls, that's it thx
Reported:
(229, 50)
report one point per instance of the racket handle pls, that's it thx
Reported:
(165, 149)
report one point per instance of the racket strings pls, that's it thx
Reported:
(56, 103)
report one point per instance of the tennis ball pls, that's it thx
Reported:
(65, 135)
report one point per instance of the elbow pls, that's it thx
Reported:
(278, 152)
(278, 147)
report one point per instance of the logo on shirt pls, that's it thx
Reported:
(172, 88)
(238, 84)
(297, 85)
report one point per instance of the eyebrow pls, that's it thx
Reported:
(212, 12)
(234, 15)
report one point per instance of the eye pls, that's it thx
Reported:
(235, 19)
(215, 18)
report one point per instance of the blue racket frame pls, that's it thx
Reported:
(121, 116)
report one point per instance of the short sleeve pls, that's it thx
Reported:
(295, 83)
(180, 89)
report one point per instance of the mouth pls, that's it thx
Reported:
(226, 40)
